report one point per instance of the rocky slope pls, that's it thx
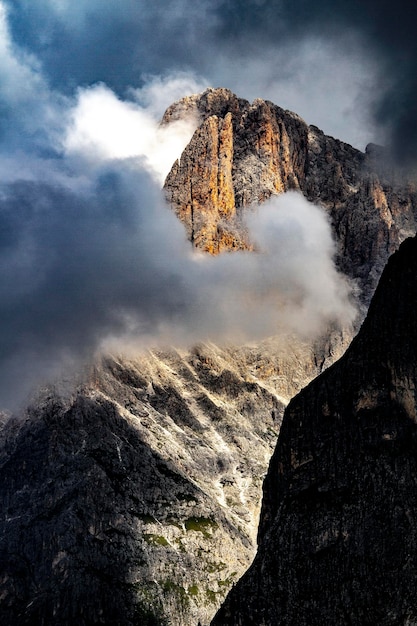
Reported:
(338, 525)
(242, 153)
(134, 498)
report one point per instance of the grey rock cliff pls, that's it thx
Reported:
(338, 526)
(135, 500)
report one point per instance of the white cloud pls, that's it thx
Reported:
(102, 128)
(159, 92)
(297, 239)
(290, 286)
(90, 251)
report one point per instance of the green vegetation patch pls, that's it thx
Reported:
(181, 595)
(228, 582)
(155, 540)
(193, 590)
(181, 547)
(215, 567)
(203, 525)
(211, 596)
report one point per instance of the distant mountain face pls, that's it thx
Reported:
(338, 527)
(134, 498)
(243, 153)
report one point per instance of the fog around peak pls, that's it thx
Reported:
(89, 252)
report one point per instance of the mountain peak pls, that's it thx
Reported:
(242, 153)
(136, 499)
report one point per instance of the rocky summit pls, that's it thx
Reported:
(338, 526)
(242, 153)
(132, 495)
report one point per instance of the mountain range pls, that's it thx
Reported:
(132, 495)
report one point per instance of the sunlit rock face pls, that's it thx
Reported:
(135, 497)
(243, 153)
(210, 218)
(339, 517)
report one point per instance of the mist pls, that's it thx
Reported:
(91, 257)
(118, 270)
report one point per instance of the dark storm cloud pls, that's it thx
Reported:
(88, 250)
(386, 30)
(118, 42)
(112, 263)
(75, 266)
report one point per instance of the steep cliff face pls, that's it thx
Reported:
(210, 217)
(243, 153)
(338, 525)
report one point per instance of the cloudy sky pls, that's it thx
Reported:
(88, 250)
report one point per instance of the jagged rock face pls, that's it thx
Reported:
(243, 153)
(210, 218)
(338, 526)
(136, 500)
(240, 154)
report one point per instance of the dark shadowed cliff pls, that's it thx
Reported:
(134, 500)
(338, 526)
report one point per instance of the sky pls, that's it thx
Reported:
(89, 251)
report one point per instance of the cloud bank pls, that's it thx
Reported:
(102, 127)
(354, 62)
(80, 270)
(89, 253)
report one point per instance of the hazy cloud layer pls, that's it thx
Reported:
(88, 250)
(78, 270)
(90, 254)
(120, 41)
